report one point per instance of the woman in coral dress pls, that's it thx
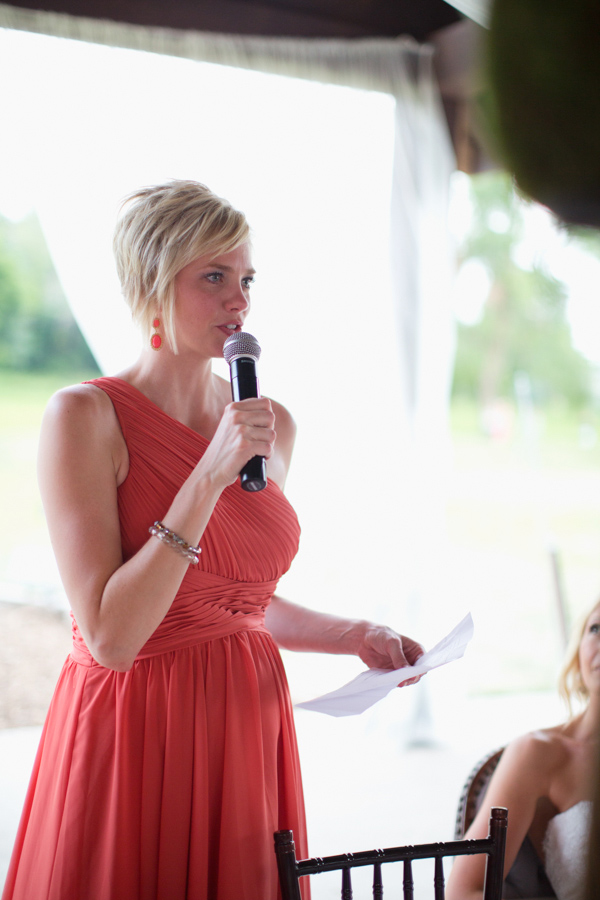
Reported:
(168, 757)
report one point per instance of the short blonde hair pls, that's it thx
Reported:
(161, 229)
(570, 682)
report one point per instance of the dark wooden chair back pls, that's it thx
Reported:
(292, 870)
(473, 792)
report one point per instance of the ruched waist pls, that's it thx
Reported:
(199, 616)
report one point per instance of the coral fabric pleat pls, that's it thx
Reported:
(167, 782)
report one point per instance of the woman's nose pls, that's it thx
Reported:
(238, 299)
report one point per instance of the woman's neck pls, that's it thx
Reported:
(186, 389)
(586, 726)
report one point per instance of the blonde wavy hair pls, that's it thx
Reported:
(570, 682)
(161, 229)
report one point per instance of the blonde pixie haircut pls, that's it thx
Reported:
(570, 682)
(161, 229)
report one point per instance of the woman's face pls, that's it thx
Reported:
(212, 300)
(589, 651)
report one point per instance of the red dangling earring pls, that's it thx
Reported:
(155, 339)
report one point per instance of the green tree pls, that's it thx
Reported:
(9, 304)
(38, 329)
(523, 327)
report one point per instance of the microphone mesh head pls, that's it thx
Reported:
(241, 344)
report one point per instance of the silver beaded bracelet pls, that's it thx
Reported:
(173, 540)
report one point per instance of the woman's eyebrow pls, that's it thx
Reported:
(217, 265)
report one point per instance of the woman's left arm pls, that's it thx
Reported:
(298, 628)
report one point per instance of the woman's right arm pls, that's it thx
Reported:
(521, 778)
(82, 459)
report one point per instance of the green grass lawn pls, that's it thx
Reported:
(25, 549)
(23, 396)
(511, 501)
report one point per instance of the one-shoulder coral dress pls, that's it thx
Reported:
(166, 782)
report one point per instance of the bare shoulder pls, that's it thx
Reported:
(524, 775)
(79, 401)
(81, 417)
(538, 752)
(521, 782)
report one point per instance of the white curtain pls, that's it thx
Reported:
(420, 256)
(423, 158)
(352, 303)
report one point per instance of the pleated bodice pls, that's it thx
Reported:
(250, 541)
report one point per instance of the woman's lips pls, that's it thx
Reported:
(229, 331)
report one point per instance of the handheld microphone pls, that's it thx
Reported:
(242, 352)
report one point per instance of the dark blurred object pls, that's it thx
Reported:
(593, 875)
(543, 67)
(277, 18)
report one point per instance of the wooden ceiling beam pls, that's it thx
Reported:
(291, 18)
(457, 62)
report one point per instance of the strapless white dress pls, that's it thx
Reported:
(565, 850)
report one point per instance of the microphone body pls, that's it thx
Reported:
(242, 352)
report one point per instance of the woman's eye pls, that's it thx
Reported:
(595, 628)
(215, 277)
(248, 281)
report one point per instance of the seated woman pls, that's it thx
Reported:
(545, 779)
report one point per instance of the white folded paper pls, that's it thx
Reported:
(374, 684)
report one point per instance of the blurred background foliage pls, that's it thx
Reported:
(523, 325)
(38, 333)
